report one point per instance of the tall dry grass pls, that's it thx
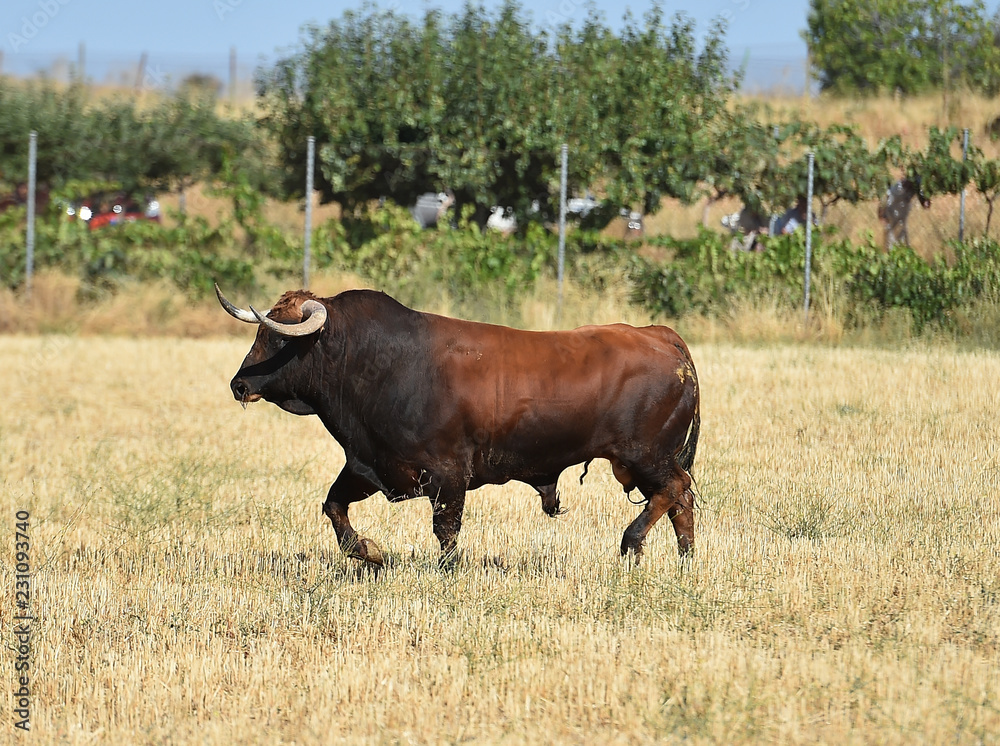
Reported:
(884, 116)
(142, 309)
(846, 586)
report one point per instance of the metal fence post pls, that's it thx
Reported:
(562, 225)
(809, 225)
(961, 204)
(310, 159)
(29, 262)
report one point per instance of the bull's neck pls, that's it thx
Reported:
(360, 365)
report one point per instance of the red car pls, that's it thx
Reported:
(99, 210)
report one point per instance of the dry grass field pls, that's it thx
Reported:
(187, 588)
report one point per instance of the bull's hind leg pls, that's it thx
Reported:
(350, 488)
(676, 500)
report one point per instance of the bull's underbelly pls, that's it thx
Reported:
(401, 480)
(535, 466)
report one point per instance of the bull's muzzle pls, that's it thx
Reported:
(242, 392)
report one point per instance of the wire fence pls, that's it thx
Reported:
(928, 229)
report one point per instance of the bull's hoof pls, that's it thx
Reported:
(685, 556)
(632, 554)
(368, 550)
(631, 546)
(448, 560)
(556, 511)
(550, 503)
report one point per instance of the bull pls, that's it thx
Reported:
(426, 405)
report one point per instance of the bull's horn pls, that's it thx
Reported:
(313, 318)
(236, 313)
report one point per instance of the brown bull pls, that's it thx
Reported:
(426, 405)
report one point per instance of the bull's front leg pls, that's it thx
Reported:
(448, 505)
(350, 488)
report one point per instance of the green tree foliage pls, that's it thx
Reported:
(844, 168)
(187, 142)
(480, 103)
(940, 165)
(500, 144)
(744, 160)
(653, 106)
(63, 127)
(164, 147)
(987, 179)
(874, 46)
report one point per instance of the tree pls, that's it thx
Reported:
(499, 144)
(844, 169)
(480, 103)
(939, 169)
(653, 108)
(744, 160)
(186, 142)
(398, 109)
(987, 179)
(370, 88)
(63, 127)
(873, 46)
(168, 146)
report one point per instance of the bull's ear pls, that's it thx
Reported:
(313, 318)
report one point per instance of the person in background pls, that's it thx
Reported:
(894, 210)
(793, 218)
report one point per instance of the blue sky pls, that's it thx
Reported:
(198, 34)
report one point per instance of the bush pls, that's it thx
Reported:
(704, 276)
(418, 266)
(191, 255)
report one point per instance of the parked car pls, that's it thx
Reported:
(101, 209)
(633, 223)
(431, 207)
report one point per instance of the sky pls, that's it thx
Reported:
(182, 36)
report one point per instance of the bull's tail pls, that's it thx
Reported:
(685, 456)
(686, 453)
